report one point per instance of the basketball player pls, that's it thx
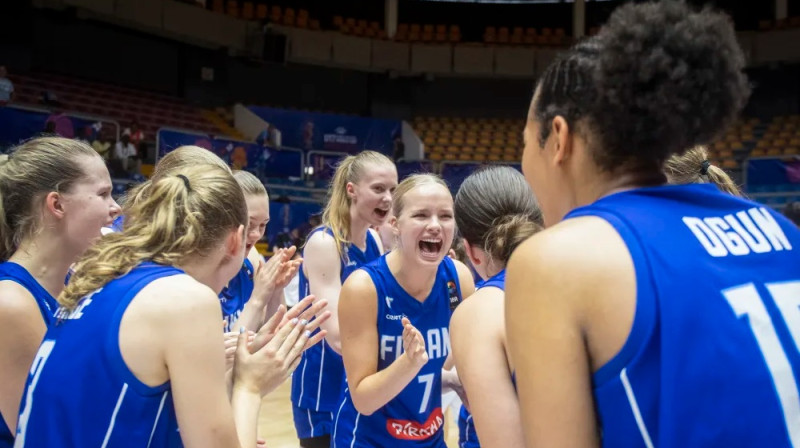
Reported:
(693, 167)
(394, 316)
(495, 212)
(138, 331)
(256, 291)
(649, 315)
(55, 196)
(361, 196)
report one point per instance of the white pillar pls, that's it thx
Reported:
(579, 19)
(781, 9)
(391, 17)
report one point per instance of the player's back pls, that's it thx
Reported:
(80, 391)
(712, 358)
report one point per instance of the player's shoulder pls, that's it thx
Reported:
(16, 299)
(177, 294)
(485, 306)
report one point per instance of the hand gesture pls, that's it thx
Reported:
(414, 344)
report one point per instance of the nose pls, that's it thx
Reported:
(435, 224)
(115, 208)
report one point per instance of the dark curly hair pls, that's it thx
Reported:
(659, 78)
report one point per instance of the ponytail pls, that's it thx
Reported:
(182, 216)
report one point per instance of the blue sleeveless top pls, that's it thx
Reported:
(81, 393)
(413, 418)
(318, 381)
(236, 294)
(467, 435)
(712, 357)
(47, 307)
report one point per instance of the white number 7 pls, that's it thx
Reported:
(426, 397)
(746, 301)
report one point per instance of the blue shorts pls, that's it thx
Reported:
(310, 423)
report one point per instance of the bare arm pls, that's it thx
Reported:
(546, 345)
(264, 276)
(477, 333)
(323, 270)
(21, 332)
(369, 388)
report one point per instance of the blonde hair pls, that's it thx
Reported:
(409, 183)
(34, 169)
(251, 185)
(336, 215)
(688, 168)
(177, 159)
(183, 217)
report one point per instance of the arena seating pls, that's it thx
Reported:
(125, 105)
(470, 139)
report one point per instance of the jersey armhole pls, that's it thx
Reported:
(113, 352)
(644, 319)
(378, 282)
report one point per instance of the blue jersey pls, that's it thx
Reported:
(467, 435)
(80, 391)
(318, 381)
(236, 294)
(47, 307)
(712, 358)
(414, 417)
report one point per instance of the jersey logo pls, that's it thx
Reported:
(389, 301)
(351, 263)
(408, 430)
(452, 292)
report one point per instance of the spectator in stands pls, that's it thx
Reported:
(399, 149)
(268, 137)
(50, 99)
(62, 124)
(125, 155)
(6, 87)
(792, 211)
(136, 134)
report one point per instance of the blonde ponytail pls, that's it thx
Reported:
(183, 215)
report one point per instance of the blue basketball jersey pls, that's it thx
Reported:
(318, 381)
(236, 294)
(712, 358)
(413, 418)
(467, 435)
(80, 392)
(47, 307)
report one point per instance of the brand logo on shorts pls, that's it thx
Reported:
(408, 430)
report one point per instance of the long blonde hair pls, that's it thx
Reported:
(409, 183)
(183, 216)
(336, 215)
(33, 170)
(251, 185)
(177, 159)
(693, 167)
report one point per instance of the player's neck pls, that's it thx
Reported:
(606, 184)
(205, 271)
(48, 265)
(358, 231)
(417, 280)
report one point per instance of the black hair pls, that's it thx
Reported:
(657, 79)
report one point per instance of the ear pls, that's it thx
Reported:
(393, 224)
(471, 253)
(235, 242)
(562, 134)
(54, 204)
(350, 189)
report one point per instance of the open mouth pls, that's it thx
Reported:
(430, 247)
(381, 213)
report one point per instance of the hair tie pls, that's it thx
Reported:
(185, 181)
(704, 167)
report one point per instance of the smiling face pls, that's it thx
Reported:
(371, 196)
(258, 216)
(425, 225)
